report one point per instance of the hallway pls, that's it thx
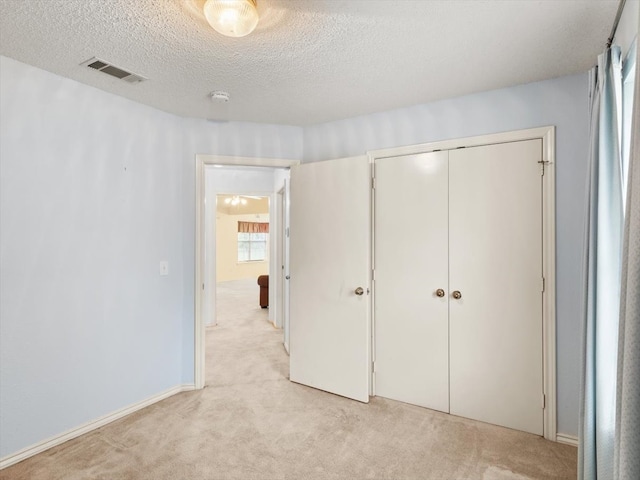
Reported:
(244, 347)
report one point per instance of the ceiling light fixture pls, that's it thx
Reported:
(235, 201)
(233, 18)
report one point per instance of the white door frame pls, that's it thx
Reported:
(280, 206)
(547, 135)
(201, 161)
(286, 261)
(279, 256)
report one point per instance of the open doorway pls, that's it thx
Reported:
(242, 345)
(242, 258)
(224, 182)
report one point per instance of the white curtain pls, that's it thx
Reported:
(603, 251)
(609, 445)
(627, 441)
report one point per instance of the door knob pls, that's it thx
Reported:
(440, 292)
(457, 295)
(359, 291)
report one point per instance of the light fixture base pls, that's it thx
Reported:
(232, 18)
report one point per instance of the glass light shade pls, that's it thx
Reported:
(233, 18)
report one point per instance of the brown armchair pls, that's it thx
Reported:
(263, 281)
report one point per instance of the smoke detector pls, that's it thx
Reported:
(219, 96)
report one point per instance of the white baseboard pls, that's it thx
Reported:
(567, 439)
(89, 426)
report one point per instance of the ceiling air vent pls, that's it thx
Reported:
(109, 69)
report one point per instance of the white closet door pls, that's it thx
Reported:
(495, 252)
(330, 270)
(411, 321)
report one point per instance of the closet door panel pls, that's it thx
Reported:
(411, 321)
(495, 262)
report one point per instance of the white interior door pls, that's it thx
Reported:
(495, 252)
(411, 265)
(330, 258)
(286, 257)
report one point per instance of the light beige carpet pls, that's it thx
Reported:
(252, 423)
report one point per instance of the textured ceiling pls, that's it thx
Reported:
(308, 61)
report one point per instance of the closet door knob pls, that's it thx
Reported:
(359, 291)
(457, 295)
(440, 292)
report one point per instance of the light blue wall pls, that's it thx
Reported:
(96, 190)
(91, 199)
(87, 326)
(561, 102)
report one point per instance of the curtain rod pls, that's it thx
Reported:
(615, 23)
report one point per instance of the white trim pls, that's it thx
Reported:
(547, 135)
(567, 439)
(372, 283)
(491, 139)
(246, 161)
(278, 260)
(273, 300)
(549, 272)
(199, 326)
(89, 426)
(199, 336)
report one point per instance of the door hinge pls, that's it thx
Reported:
(203, 286)
(287, 232)
(373, 367)
(373, 275)
(373, 183)
(544, 401)
(542, 164)
(543, 284)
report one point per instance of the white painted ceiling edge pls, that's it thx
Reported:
(308, 61)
